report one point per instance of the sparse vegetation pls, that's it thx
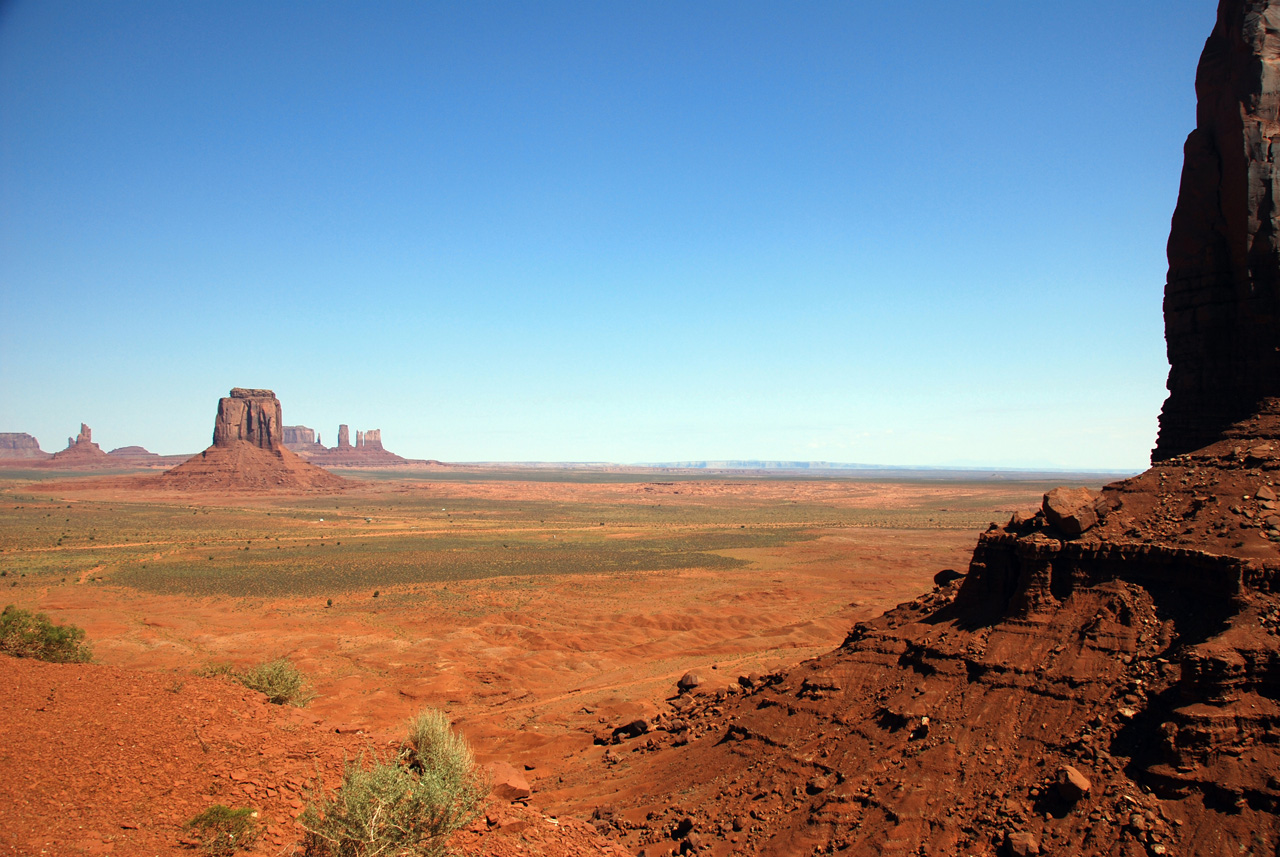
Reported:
(223, 831)
(281, 681)
(24, 634)
(408, 806)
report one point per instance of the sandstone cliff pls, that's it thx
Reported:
(251, 416)
(1222, 297)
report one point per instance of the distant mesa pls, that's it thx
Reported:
(135, 455)
(20, 446)
(248, 452)
(301, 439)
(367, 451)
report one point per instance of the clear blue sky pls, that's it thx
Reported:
(843, 231)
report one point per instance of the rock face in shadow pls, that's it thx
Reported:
(248, 453)
(1222, 298)
(1129, 638)
(20, 446)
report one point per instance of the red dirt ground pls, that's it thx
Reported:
(529, 672)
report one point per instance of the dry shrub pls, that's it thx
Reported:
(223, 831)
(280, 680)
(409, 806)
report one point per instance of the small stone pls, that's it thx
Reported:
(1072, 784)
(1021, 844)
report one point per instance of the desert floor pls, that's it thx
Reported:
(536, 608)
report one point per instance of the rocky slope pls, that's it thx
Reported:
(1109, 691)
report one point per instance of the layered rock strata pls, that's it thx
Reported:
(368, 450)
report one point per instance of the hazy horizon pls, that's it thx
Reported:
(577, 232)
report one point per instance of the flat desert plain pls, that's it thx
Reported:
(537, 608)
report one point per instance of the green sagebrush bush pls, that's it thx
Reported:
(406, 807)
(24, 634)
(280, 680)
(222, 831)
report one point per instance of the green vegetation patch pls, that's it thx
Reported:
(24, 634)
(378, 563)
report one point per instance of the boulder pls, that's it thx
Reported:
(634, 729)
(947, 575)
(1071, 511)
(688, 682)
(1072, 785)
(508, 783)
(1021, 844)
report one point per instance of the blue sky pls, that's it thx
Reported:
(597, 231)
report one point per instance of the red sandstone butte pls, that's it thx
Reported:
(248, 452)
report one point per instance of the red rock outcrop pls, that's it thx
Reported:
(20, 446)
(367, 452)
(1106, 677)
(1222, 297)
(248, 453)
(81, 451)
